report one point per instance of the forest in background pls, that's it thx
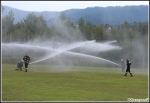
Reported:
(132, 37)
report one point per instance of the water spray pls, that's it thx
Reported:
(94, 57)
(87, 45)
(59, 51)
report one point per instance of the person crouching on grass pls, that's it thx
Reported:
(20, 65)
(26, 59)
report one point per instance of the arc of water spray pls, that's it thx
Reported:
(58, 51)
(80, 54)
(21, 45)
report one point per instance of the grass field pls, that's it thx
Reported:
(76, 83)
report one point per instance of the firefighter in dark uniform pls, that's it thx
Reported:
(26, 59)
(128, 68)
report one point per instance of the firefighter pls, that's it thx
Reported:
(128, 68)
(26, 59)
(20, 65)
(123, 65)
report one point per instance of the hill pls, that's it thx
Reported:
(95, 15)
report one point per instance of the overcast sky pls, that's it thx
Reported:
(65, 5)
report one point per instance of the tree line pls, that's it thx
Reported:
(130, 36)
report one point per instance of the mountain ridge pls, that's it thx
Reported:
(95, 15)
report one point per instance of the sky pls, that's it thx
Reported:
(66, 5)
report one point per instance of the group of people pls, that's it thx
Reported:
(128, 63)
(24, 61)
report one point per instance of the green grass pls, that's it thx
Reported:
(76, 83)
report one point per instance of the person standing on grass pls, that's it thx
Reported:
(128, 68)
(123, 65)
(26, 59)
